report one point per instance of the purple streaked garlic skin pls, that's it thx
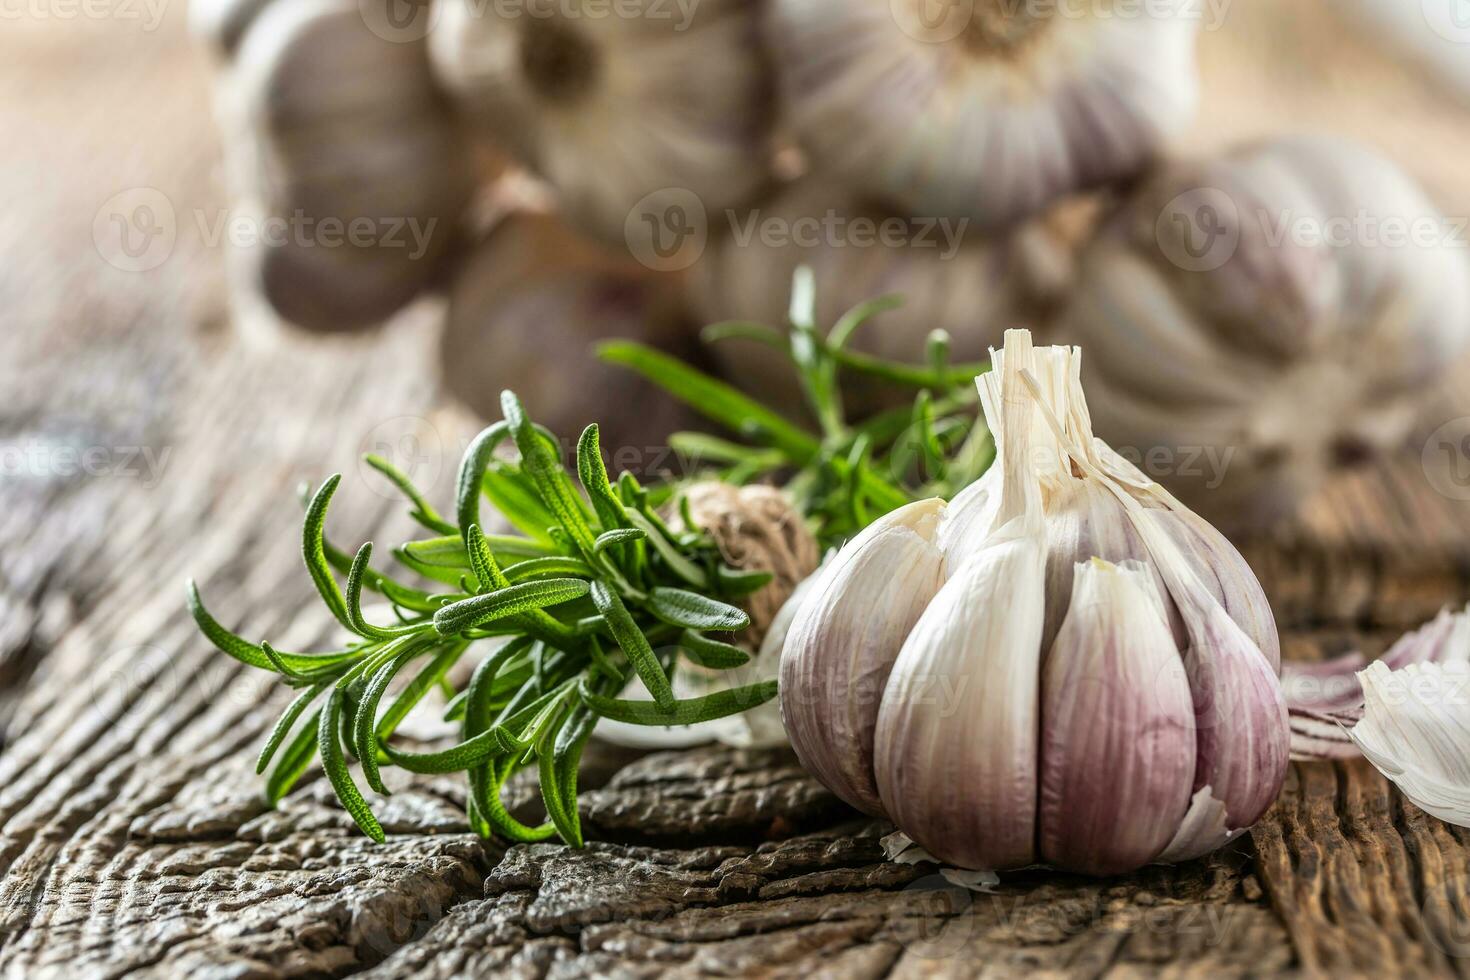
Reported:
(1118, 746)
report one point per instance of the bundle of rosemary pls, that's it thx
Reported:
(597, 585)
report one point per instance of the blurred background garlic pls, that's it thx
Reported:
(348, 159)
(611, 106)
(1256, 321)
(986, 109)
(949, 276)
(527, 307)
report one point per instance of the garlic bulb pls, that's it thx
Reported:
(1042, 670)
(989, 110)
(526, 309)
(949, 276)
(613, 106)
(1257, 321)
(348, 161)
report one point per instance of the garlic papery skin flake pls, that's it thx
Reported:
(991, 110)
(612, 106)
(1257, 322)
(1416, 731)
(1094, 720)
(1118, 746)
(844, 641)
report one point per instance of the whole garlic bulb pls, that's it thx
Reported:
(350, 160)
(993, 109)
(1039, 671)
(526, 309)
(1257, 321)
(610, 106)
(949, 275)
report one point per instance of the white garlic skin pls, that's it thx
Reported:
(993, 121)
(611, 108)
(956, 750)
(326, 121)
(950, 276)
(526, 310)
(1244, 373)
(843, 643)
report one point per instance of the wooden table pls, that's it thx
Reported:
(143, 443)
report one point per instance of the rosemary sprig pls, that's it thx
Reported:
(846, 474)
(593, 589)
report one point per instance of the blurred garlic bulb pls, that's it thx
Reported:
(949, 276)
(1254, 322)
(612, 106)
(347, 159)
(527, 308)
(1045, 676)
(987, 109)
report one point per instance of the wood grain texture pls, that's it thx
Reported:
(132, 837)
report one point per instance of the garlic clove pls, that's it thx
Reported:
(1240, 716)
(844, 641)
(1416, 731)
(956, 745)
(1084, 520)
(1117, 721)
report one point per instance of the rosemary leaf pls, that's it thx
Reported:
(689, 712)
(481, 609)
(694, 611)
(334, 764)
(283, 724)
(635, 645)
(422, 511)
(711, 654)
